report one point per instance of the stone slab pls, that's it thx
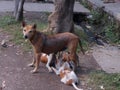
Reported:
(111, 8)
(108, 57)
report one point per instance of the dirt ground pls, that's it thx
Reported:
(16, 74)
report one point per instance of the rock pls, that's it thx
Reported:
(3, 84)
(4, 44)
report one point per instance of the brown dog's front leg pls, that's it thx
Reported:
(33, 62)
(38, 55)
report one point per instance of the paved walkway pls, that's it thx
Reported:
(8, 6)
(108, 57)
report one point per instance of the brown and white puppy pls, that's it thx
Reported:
(44, 59)
(66, 74)
(66, 57)
(49, 44)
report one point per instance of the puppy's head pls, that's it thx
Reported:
(28, 30)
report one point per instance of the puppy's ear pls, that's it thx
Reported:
(23, 24)
(34, 26)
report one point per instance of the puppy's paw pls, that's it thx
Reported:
(30, 65)
(50, 70)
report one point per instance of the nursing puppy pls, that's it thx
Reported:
(49, 44)
(66, 57)
(67, 75)
(44, 59)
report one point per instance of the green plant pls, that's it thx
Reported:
(108, 81)
(110, 32)
(96, 17)
(84, 3)
(101, 23)
(83, 38)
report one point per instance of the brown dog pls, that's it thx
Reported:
(50, 43)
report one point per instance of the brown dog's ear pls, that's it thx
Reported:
(34, 26)
(23, 24)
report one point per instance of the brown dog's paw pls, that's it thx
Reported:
(30, 65)
(34, 71)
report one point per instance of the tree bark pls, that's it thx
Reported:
(19, 14)
(61, 20)
(16, 6)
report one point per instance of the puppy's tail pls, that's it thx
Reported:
(80, 44)
(74, 85)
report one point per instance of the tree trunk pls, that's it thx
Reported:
(61, 20)
(16, 6)
(19, 15)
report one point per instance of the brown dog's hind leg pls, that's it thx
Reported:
(72, 50)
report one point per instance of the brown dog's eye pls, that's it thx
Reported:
(30, 31)
(24, 30)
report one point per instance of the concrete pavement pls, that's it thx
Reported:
(108, 57)
(8, 6)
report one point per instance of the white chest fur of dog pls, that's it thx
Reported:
(67, 75)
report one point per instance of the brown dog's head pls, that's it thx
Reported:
(28, 30)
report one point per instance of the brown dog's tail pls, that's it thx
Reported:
(80, 44)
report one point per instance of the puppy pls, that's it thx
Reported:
(66, 74)
(66, 57)
(44, 59)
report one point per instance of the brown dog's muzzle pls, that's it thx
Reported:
(26, 37)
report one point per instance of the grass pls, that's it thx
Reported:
(99, 79)
(8, 24)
